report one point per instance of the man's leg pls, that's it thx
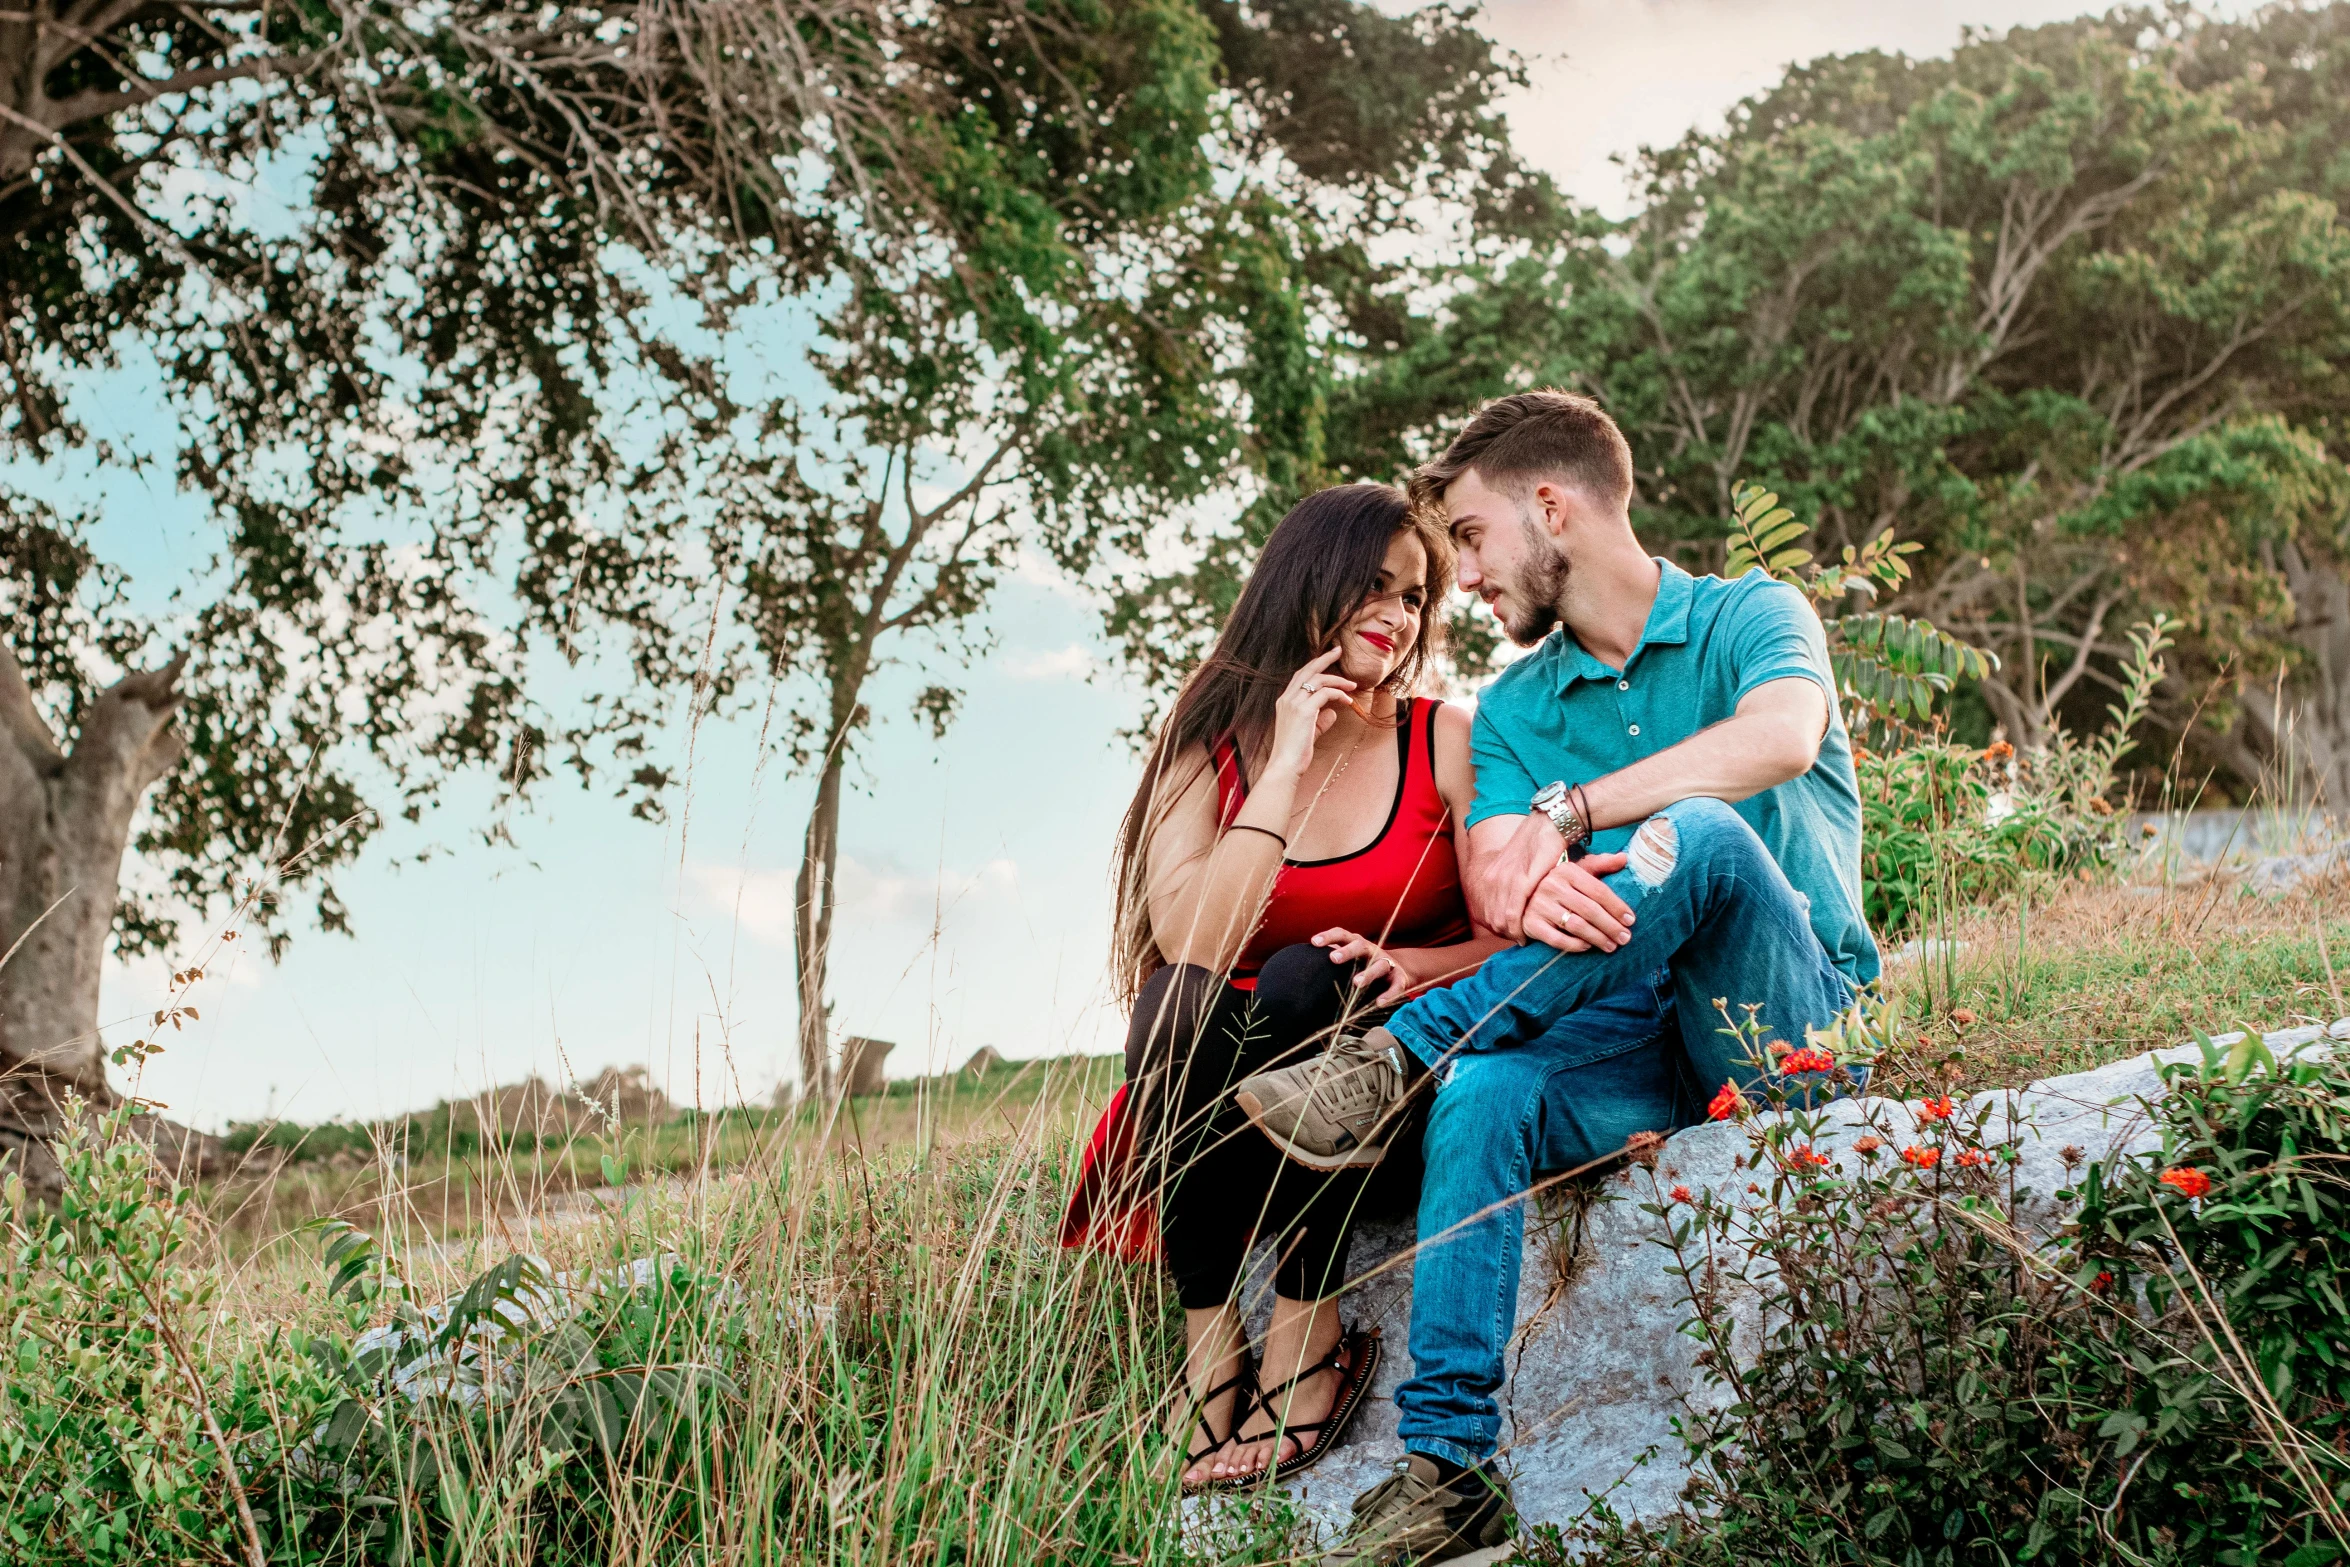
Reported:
(1570, 1097)
(1710, 903)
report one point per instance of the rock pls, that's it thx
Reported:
(1599, 1366)
(2283, 873)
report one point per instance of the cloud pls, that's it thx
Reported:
(1074, 662)
(763, 900)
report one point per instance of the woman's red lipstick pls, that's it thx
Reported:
(1383, 644)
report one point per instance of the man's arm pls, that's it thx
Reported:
(1517, 885)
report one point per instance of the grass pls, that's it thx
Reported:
(443, 1180)
(912, 1368)
(2086, 973)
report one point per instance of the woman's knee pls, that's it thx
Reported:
(1299, 991)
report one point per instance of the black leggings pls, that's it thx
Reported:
(1219, 1180)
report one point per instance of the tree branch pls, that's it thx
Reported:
(22, 717)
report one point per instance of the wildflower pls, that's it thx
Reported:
(1681, 1194)
(1998, 751)
(1868, 1145)
(1809, 1059)
(2187, 1181)
(2100, 1284)
(1644, 1142)
(1726, 1104)
(1972, 1157)
(1962, 1016)
(1935, 1109)
(1777, 1048)
(1923, 1158)
(1753, 1190)
(1805, 1154)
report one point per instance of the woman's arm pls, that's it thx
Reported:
(1206, 889)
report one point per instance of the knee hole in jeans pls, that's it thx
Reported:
(1654, 851)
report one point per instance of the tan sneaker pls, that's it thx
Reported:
(1415, 1516)
(1336, 1111)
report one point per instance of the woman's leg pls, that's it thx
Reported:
(1181, 1055)
(1301, 995)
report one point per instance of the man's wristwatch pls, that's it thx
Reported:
(1557, 801)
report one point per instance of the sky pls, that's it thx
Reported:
(974, 870)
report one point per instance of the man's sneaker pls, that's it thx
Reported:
(1336, 1111)
(1417, 1516)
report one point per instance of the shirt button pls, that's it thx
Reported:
(1635, 729)
(1623, 685)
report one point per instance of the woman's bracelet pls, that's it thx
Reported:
(1267, 831)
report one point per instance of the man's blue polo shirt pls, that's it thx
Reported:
(1559, 713)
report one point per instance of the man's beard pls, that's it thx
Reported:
(1537, 592)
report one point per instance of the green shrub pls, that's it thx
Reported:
(1946, 826)
(1930, 1387)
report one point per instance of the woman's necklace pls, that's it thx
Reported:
(1297, 828)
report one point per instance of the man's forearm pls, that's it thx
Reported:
(1758, 748)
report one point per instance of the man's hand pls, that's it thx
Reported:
(1507, 890)
(1573, 910)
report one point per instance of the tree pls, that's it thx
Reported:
(2068, 308)
(462, 429)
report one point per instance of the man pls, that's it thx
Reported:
(1665, 795)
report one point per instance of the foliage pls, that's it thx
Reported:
(1931, 1386)
(796, 1353)
(1944, 826)
(2070, 305)
(1887, 667)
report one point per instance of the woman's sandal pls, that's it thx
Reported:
(1355, 1358)
(1242, 1384)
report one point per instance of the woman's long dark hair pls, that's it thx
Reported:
(1321, 563)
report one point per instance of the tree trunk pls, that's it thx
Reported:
(812, 925)
(65, 821)
(2314, 730)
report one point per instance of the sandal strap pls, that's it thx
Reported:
(1244, 1380)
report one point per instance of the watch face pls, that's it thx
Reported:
(1548, 795)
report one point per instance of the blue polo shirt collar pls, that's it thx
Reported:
(1668, 625)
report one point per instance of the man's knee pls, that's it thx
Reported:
(1690, 835)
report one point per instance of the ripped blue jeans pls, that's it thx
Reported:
(1540, 1067)
(1712, 906)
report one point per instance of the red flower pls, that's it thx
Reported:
(1923, 1158)
(1806, 1154)
(2187, 1181)
(1868, 1145)
(1972, 1157)
(2100, 1284)
(1935, 1109)
(1681, 1194)
(1726, 1104)
(1808, 1060)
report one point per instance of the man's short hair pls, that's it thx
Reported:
(1516, 442)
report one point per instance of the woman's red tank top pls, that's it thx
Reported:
(1402, 890)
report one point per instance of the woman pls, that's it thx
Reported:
(1290, 861)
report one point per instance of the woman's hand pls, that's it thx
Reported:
(1309, 706)
(1378, 964)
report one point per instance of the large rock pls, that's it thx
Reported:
(1599, 1366)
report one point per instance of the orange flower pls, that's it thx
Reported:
(1777, 1048)
(1805, 1154)
(1681, 1194)
(1972, 1157)
(1809, 1060)
(1868, 1145)
(1923, 1158)
(1962, 1016)
(1935, 1109)
(2187, 1181)
(1998, 751)
(1726, 1104)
